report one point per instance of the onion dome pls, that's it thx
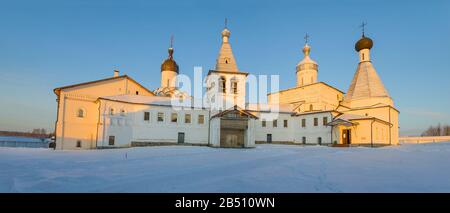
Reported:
(226, 33)
(363, 43)
(169, 64)
(306, 62)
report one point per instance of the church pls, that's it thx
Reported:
(119, 112)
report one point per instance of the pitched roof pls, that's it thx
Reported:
(308, 85)
(366, 83)
(235, 108)
(56, 90)
(155, 100)
(225, 59)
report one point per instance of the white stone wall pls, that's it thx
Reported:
(133, 128)
(294, 132)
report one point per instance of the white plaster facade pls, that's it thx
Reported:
(119, 112)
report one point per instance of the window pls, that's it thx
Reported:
(319, 140)
(303, 122)
(201, 119)
(160, 117)
(137, 92)
(275, 123)
(122, 112)
(285, 123)
(311, 107)
(222, 85)
(174, 117)
(146, 116)
(80, 113)
(78, 144)
(111, 111)
(304, 140)
(325, 121)
(316, 121)
(111, 140)
(234, 86)
(187, 118)
(263, 123)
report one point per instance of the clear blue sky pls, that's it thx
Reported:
(46, 44)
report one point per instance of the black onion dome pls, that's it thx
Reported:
(170, 64)
(363, 43)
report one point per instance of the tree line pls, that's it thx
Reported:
(439, 130)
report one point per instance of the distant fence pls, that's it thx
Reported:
(425, 139)
(24, 142)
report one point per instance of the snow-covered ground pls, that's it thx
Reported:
(267, 168)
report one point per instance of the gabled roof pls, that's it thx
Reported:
(307, 85)
(348, 119)
(56, 90)
(235, 108)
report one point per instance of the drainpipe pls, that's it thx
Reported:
(371, 133)
(331, 135)
(63, 121)
(209, 127)
(57, 117)
(98, 122)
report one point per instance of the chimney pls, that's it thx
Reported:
(116, 73)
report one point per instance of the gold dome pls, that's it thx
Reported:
(169, 64)
(363, 43)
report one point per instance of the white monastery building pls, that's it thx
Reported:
(119, 112)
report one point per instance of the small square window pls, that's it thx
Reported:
(174, 117)
(146, 116)
(111, 140)
(201, 119)
(187, 118)
(80, 113)
(160, 117)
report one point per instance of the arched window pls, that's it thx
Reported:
(234, 86)
(111, 111)
(81, 113)
(222, 84)
(310, 107)
(319, 140)
(122, 112)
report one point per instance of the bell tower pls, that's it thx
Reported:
(307, 68)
